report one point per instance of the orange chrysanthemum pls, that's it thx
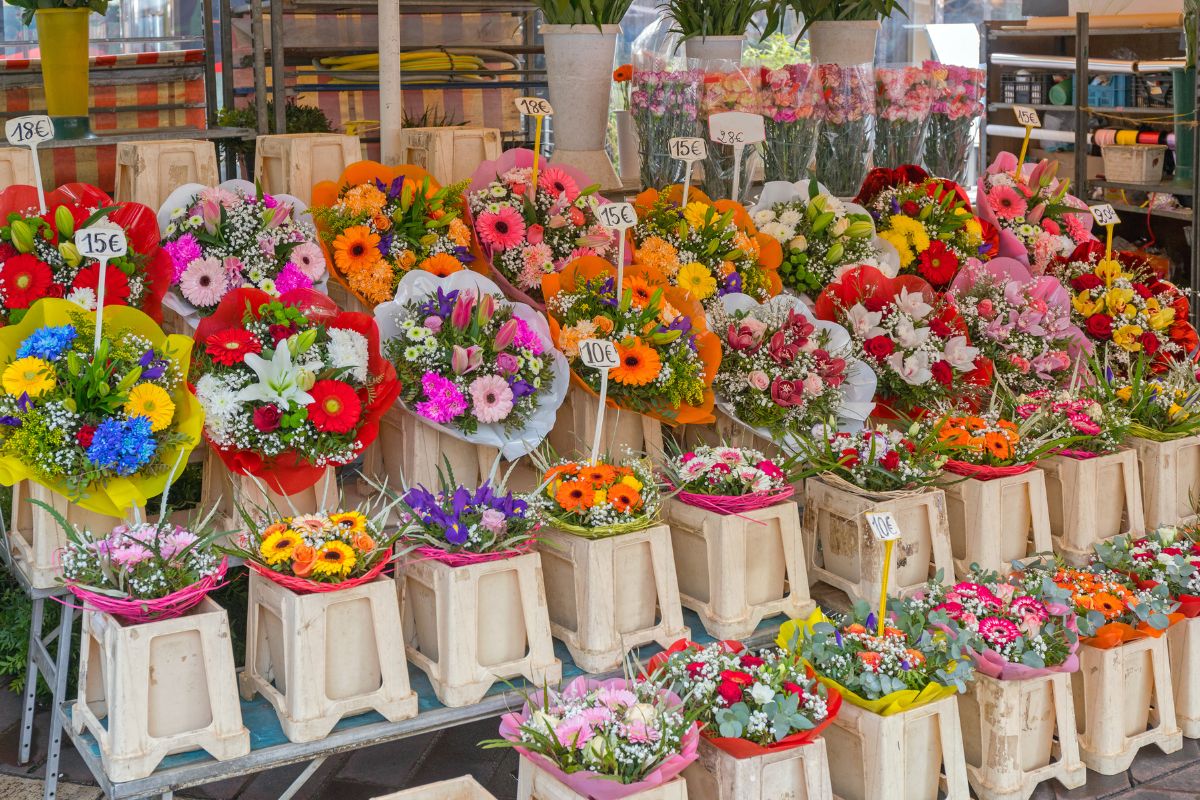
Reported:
(364, 199)
(356, 248)
(441, 264)
(575, 495)
(639, 365)
(459, 232)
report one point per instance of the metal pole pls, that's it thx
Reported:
(227, 68)
(1194, 276)
(62, 664)
(278, 71)
(210, 66)
(391, 107)
(1081, 117)
(260, 64)
(31, 681)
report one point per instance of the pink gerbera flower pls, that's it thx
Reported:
(998, 631)
(203, 282)
(556, 181)
(491, 398)
(309, 258)
(1007, 202)
(501, 229)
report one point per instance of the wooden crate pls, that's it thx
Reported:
(464, 788)
(16, 167)
(534, 783)
(1170, 474)
(1019, 733)
(993, 522)
(797, 773)
(844, 553)
(293, 163)
(147, 172)
(36, 538)
(320, 657)
(1183, 650)
(472, 625)
(160, 687)
(736, 570)
(608, 596)
(449, 154)
(1090, 500)
(345, 299)
(410, 452)
(572, 435)
(1124, 701)
(904, 756)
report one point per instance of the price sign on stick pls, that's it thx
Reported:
(688, 149)
(883, 526)
(1029, 118)
(539, 109)
(599, 354)
(103, 242)
(619, 217)
(30, 131)
(739, 129)
(1106, 217)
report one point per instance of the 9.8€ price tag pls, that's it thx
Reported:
(736, 128)
(1104, 214)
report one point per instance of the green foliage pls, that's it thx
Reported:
(704, 18)
(30, 7)
(843, 10)
(299, 119)
(431, 117)
(583, 12)
(776, 51)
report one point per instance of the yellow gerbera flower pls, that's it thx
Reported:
(29, 375)
(279, 546)
(1127, 337)
(349, 521)
(696, 214)
(697, 280)
(632, 483)
(336, 559)
(152, 402)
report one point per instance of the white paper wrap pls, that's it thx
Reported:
(183, 196)
(417, 285)
(857, 390)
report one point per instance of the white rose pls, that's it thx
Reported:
(799, 244)
(762, 694)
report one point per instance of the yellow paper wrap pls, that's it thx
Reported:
(117, 495)
(885, 706)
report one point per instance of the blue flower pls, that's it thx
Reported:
(441, 305)
(122, 446)
(48, 342)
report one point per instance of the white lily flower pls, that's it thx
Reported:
(913, 304)
(278, 380)
(959, 354)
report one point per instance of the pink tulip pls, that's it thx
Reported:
(487, 308)
(464, 360)
(460, 317)
(505, 335)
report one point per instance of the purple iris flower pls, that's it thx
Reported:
(463, 254)
(733, 283)
(441, 305)
(24, 402)
(520, 389)
(385, 244)
(14, 422)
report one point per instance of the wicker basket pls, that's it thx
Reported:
(1134, 163)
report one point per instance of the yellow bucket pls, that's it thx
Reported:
(63, 41)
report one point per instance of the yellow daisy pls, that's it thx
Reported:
(697, 280)
(279, 546)
(29, 375)
(349, 522)
(152, 402)
(335, 559)
(697, 214)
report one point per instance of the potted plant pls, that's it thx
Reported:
(715, 30)
(580, 38)
(62, 28)
(843, 31)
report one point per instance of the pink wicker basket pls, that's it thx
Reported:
(736, 504)
(984, 473)
(427, 553)
(136, 611)
(305, 586)
(1079, 455)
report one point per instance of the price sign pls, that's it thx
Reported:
(103, 242)
(619, 216)
(688, 148)
(599, 353)
(30, 131)
(534, 106)
(1104, 214)
(738, 129)
(883, 525)
(1027, 116)
(539, 109)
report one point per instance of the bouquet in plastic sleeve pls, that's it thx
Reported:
(958, 94)
(665, 102)
(728, 87)
(1096, 422)
(602, 498)
(1164, 556)
(221, 238)
(290, 385)
(709, 249)
(38, 256)
(472, 363)
(1000, 441)
(903, 101)
(107, 426)
(529, 232)
(845, 107)
(377, 223)
(788, 105)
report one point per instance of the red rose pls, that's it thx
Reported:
(892, 459)
(1149, 342)
(84, 435)
(280, 332)
(730, 693)
(880, 347)
(1172, 551)
(1143, 290)
(940, 328)
(56, 290)
(793, 688)
(909, 446)
(875, 302)
(267, 418)
(849, 458)
(1086, 282)
(910, 208)
(750, 662)
(1099, 326)
(943, 373)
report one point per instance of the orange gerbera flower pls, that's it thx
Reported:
(598, 474)
(954, 436)
(639, 365)
(624, 498)
(575, 495)
(623, 73)
(356, 248)
(1109, 605)
(641, 290)
(998, 445)
(975, 423)
(441, 264)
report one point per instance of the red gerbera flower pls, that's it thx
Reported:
(24, 279)
(938, 263)
(231, 345)
(116, 284)
(335, 407)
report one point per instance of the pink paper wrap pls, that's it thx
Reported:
(994, 665)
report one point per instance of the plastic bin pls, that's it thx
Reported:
(1111, 91)
(1134, 163)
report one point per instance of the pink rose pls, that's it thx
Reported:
(813, 384)
(758, 380)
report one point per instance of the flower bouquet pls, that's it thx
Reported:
(728, 87)
(1038, 220)
(928, 221)
(903, 101)
(818, 233)
(914, 339)
(380, 222)
(992, 445)
(749, 702)
(224, 237)
(600, 499)
(1097, 425)
(668, 358)
(877, 462)
(290, 385)
(108, 426)
(473, 364)
(1162, 405)
(957, 104)
(1012, 631)
(38, 257)
(1125, 309)
(665, 102)
(531, 232)
(788, 106)
(784, 371)
(603, 739)
(458, 526)
(845, 107)
(709, 249)
(1164, 556)
(1021, 323)
(917, 660)
(727, 480)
